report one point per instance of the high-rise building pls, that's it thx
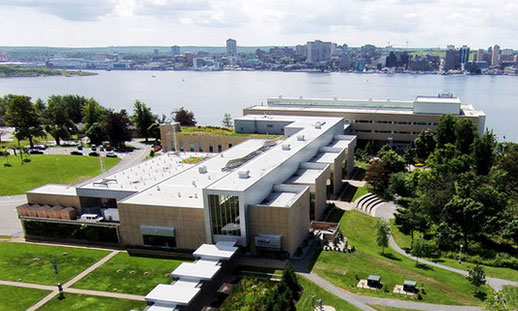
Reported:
(231, 47)
(464, 54)
(480, 55)
(301, 50)
(175, 50)
(451, 60)
(495, 56)
(155, 52)
(318, 51)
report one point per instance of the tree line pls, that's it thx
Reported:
(466, 194)
(65, 115)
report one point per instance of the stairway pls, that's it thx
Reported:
(368, 204)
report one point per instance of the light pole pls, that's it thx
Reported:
(390, 140)
(460, 254)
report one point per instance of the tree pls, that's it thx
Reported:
(184, 117)
(377, 176)
(92, 112)
(464, 216)
(392, 161)
(143, 119)
(23, 116)
(401, 185)
(96, 133)
(446, 130)
(424, 144)
(495, 301)
(116, 127)
(74, 104)
(3, 107)
(418, 249)
(476, 276)
(382, 234)
(484, 152)
(465, 135)
(227, 120)
(57, 120)
(290, 279)
(410, 217)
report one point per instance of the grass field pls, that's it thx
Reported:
(345, 270)
(404, 241)
(311, 289)
(385, 308)
(73, 302)
(18, 298)
(511, 295)
(137, 275)
(45, 169)
(31, 263)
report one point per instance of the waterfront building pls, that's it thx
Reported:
(495, 55)
(318, 51)
(231, 47)
(452, 60)
(464, 54)
(175, 50)
(380, 121)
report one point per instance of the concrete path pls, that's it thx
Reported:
(356, 183)
(90, 269)
(363, 301)
(496, 283)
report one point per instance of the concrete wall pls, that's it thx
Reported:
(203, 141)
(188, 223)
(55, 199)
(262, 126)
(292, 223)
(321, 193)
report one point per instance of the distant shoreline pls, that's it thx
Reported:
(16, 71)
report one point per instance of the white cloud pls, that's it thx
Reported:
(478, 23)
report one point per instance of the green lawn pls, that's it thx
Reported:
(18, 298)
(220, 131)
(404, 241)
(31, 263)
(511, 295)
(311, 289)
(45, 169)
(345, 270)
(385, 308)
(132, 277)
(361, 164)
(74, 302)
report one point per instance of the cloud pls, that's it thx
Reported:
(77, 10)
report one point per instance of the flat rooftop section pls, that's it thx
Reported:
(280, 199)
(305, 176)
(437, 99)
(180, 293)
(200, 270)
(221, 250)
(145, 174)
(55, 189)
(325, 157)
(185, 188)
(341, 103)
(310, 127)
(160, 308)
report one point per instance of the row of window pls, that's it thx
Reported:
(394, 122)
(385, 132)
(200, 147)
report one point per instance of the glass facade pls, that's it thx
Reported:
(224, 214)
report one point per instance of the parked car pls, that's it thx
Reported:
(93, 147)
(93, 154)
(79, 147)
(90, 218)
(76, 152)
(108, 148)
(111, 154)
(35, 151)
(41, 147)
(101, 148)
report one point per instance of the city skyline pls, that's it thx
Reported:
(401, 23)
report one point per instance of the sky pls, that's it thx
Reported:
(402, 23)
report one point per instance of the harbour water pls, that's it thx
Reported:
(211, 94)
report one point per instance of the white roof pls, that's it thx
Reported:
(55, 189)
(325, 157)
(180, 292)
(280, 199)
(437, 100)
(305, 176)
(266, 162)
(160, 308)
(221, 250)
(185, 188)
(145, 174)
(201, 270)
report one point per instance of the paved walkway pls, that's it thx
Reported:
(363, 301)
(496, 283)
(67, 286)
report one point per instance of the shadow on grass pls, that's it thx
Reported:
(348, 193)
(390, 256)
(480, 295)
(424, 267)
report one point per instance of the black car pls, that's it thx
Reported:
(93, 154)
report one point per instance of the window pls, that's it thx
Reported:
(173, 148)
(181, 146)
(159, 241)
(219, 147)
(191, 146)
(230, 145)
(211, 147)
(200, 146)
(224, 214)
(269, 125)
(312, 211)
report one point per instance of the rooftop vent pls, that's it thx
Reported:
(286, 147)
(318, 125)
(202, 169)
(244, 174)
(300, 137)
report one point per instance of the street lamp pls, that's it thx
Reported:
(390, 140)
(460, 254)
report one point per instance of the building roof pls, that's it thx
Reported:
(201, 270)
(179, 293)
(55, 189)
(185, 188)
(305, 176)
(222, 250)
(160, 308)
(280, 199)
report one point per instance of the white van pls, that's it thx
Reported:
(90, 218)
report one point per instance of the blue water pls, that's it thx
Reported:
(211, 94)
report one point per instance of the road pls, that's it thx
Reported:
(9, 223)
